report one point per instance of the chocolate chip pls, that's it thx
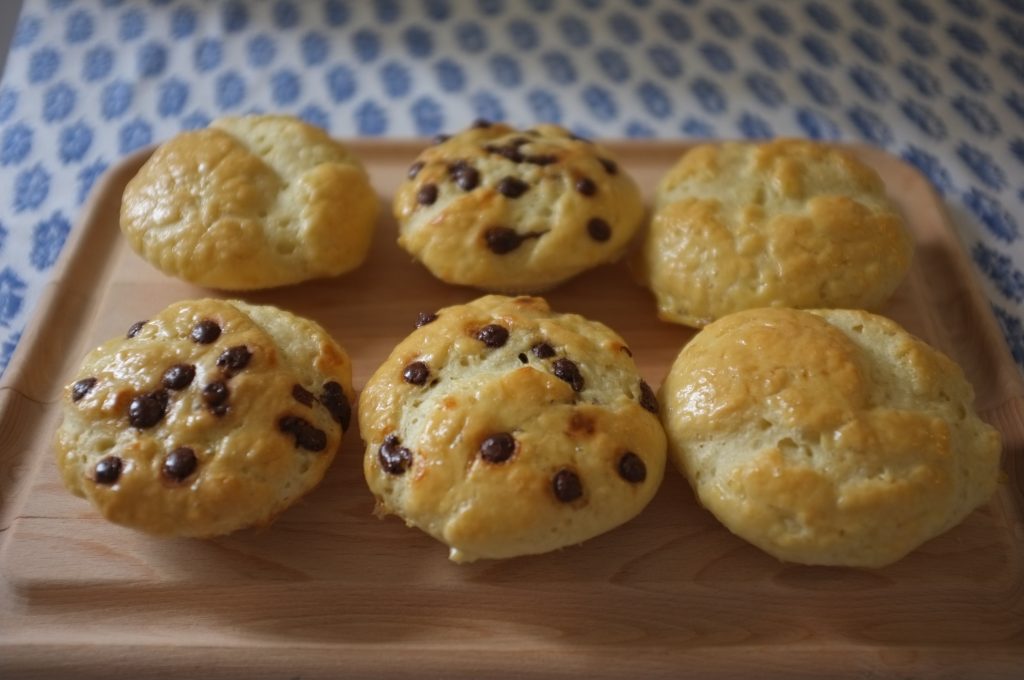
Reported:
(234, 359)
(598, 229)
(82, 388)
(427, 194)
(511, 152)
(423, 318)
(302, 395)
(146, 410)
(541, 159)
(416, 373)
(465, 176)
(306, 436)
(493, 335)
(178, 376)
(108, 470)
(628, 351)
(205, 332)
(334, 400)
(498, 447)
(512, 187)
(518, 142)
(523, 359)
(480, 123)
(134, 329)
(215, 395)
(586, 186)
(609, 165)
(567, 370)
(501, 240)
(543, 350)
(393, 457)
(647, 398)
(441, 139)
(632, 468)
(414, 170)
(566, 485)
(180, 464)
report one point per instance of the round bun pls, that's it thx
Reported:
(516, 212)
(501, 428)
(251, 202)
(788, 223)
(827, 437)
(210, 417)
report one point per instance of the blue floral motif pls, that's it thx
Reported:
(870, 83)
(135, 134)
(371, 119)
(261, 50)
(822, 16)
(710, 95)
(314, 115)
(1017, 148)
(970, 74)
(981, 120)
(637, 130)
(1014, 63)
(1015, 100)
(116, 98)
(133, 24)
(765, 89)
(601, 102)
(208, 54)
(816, 125)
(26, 31)
(505, 70)
(230, 90)
(920, 77)
(79, 27)
(98, 63)
(753, 126)
(656, 101)
(9, 345)
(982, 165)
(286, 14)
(428, 116)
(395, 79)
(665, 61)
(918, 41)
(773, 56)
(234, 16)
(822, 53)
(819, 87)
(3, 236)
(450, 75)
(968, 38)
(696, 127)
(341, 83)
(924, 118)
(471, 37)
(195, 121)
(387, 11)
(523, 34)
(718, 57)
(285, 86)
(74, 142)
(992, 214)
(47, 240)
(625, 30)
(15, 144)
(931, 167)
(487, 106)
(869, 13)
(491, 8)
(969, 8)
(1012, 331)
(87, 177)
(8, 103)
(172, 97)
(869, 46)
(725, 22)
(1000, 270)
(31, 188)
(574, 30)
(314, 48)
(559, 67)
(152, 60)
(675, 26)
(774, 20)
(337, 14)
(418, 41)
(544, 106)
(1014, 30)
(43, 64)
(918, 10)
(613, 65)
(870, 125)
(183, 22)
(12, 295)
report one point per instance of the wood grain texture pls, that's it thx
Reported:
(329, 590)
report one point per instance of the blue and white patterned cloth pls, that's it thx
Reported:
(938, 82)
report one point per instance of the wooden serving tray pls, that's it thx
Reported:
(329, 590)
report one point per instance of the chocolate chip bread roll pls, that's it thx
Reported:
(786, 223)
(210, 417)
(501, 428)
(251, 202)
(827, 437)
(510, 211)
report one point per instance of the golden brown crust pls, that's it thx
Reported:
(566, 184)
(827, 437)
(787, 223)
(250, 461)
(472, 392)
(251, 202)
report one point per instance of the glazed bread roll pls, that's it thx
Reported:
(787, 223)
(210, 417)
(501, 428)
(827, 437)
(251, 202)
(516, 212)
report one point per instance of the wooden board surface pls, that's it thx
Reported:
(329, 590)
